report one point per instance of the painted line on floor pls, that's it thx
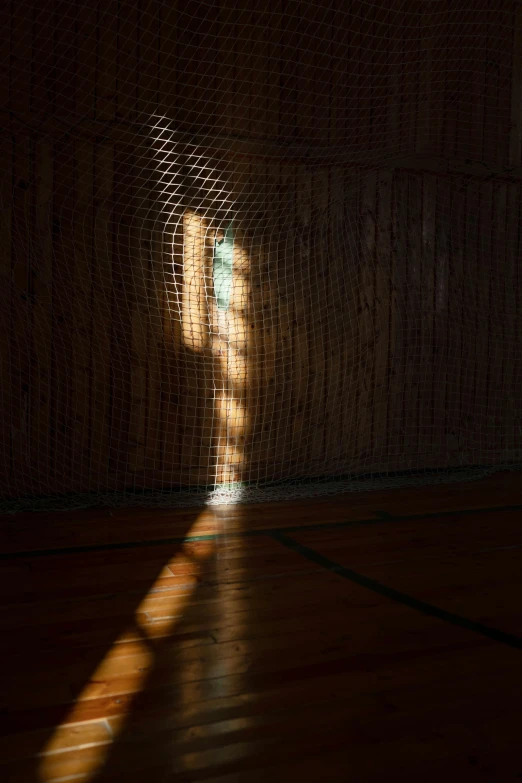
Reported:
(396, 595)
(381, 518)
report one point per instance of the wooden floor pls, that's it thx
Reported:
(366, 637)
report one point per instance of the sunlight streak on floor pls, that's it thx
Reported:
(128, 664)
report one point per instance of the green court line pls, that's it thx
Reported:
(395, 595)
(382, 518)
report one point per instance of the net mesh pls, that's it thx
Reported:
(251, 253)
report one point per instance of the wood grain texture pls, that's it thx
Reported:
(235, 657)
(372, 296)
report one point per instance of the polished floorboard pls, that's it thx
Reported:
(360, 638)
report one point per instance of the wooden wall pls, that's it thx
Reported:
(376, 311)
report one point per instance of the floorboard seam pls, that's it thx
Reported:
(395, 595)
(385, 518)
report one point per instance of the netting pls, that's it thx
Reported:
(254, 252)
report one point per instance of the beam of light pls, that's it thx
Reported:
(127, 666)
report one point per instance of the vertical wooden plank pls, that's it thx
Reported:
(321, 84)
(393, 85)
(22, 229)
(101, 314)
(493, 316)
(456, 321)
(128, 64)
(41, 289)
(87, 59)
(207, 68)
(218, 320)
(193, 65)
(410, 76)
(412, 331)
(171, 203)
(140, 281)
(80, 256)
(290, 54)
(285, 285)
(123, 306)
(6, 205)
(225, 69)
(484, 325)
(512, 332)
(496, 151)
(336, 319)
(382, 316)
(259, 85)
(490, 149)
(302, 325)
(364, 54)
(213, 370)
(500, 413)
(148, 59)
(441, 333)
(68, 367)
(351, 353)
(243, 66)
(21, 247)
(477, 118)
(237, 365)
(412, 319)
(194, 314)
(366, 321)
(195, 336)
(43, 76)
(335, 335)
(427, 298)
(65, 59)
(256, 364)
(242, 293)
(64, 323)
(168, 64)
(6, 293)
(6, 54)
(273, 55)
(399, 248)
(517, 364)
(379, 143)
(305, 78)
(452, 76)
(272, 324)
(318, 288)
(81, 260)
(156, 350)
(511, 360)
(464, 82)
(352, 77)
(426, 42)
(20, 66)
(515, 133)
(503, 48)
(437, 77)
(107, 87)
(472, 261)
(270, 411)
(338, 83)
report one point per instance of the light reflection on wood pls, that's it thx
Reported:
(126, 668)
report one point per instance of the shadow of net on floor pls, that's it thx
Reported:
(78, 618)
(199, 677)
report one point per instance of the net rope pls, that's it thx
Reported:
(254, 253)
